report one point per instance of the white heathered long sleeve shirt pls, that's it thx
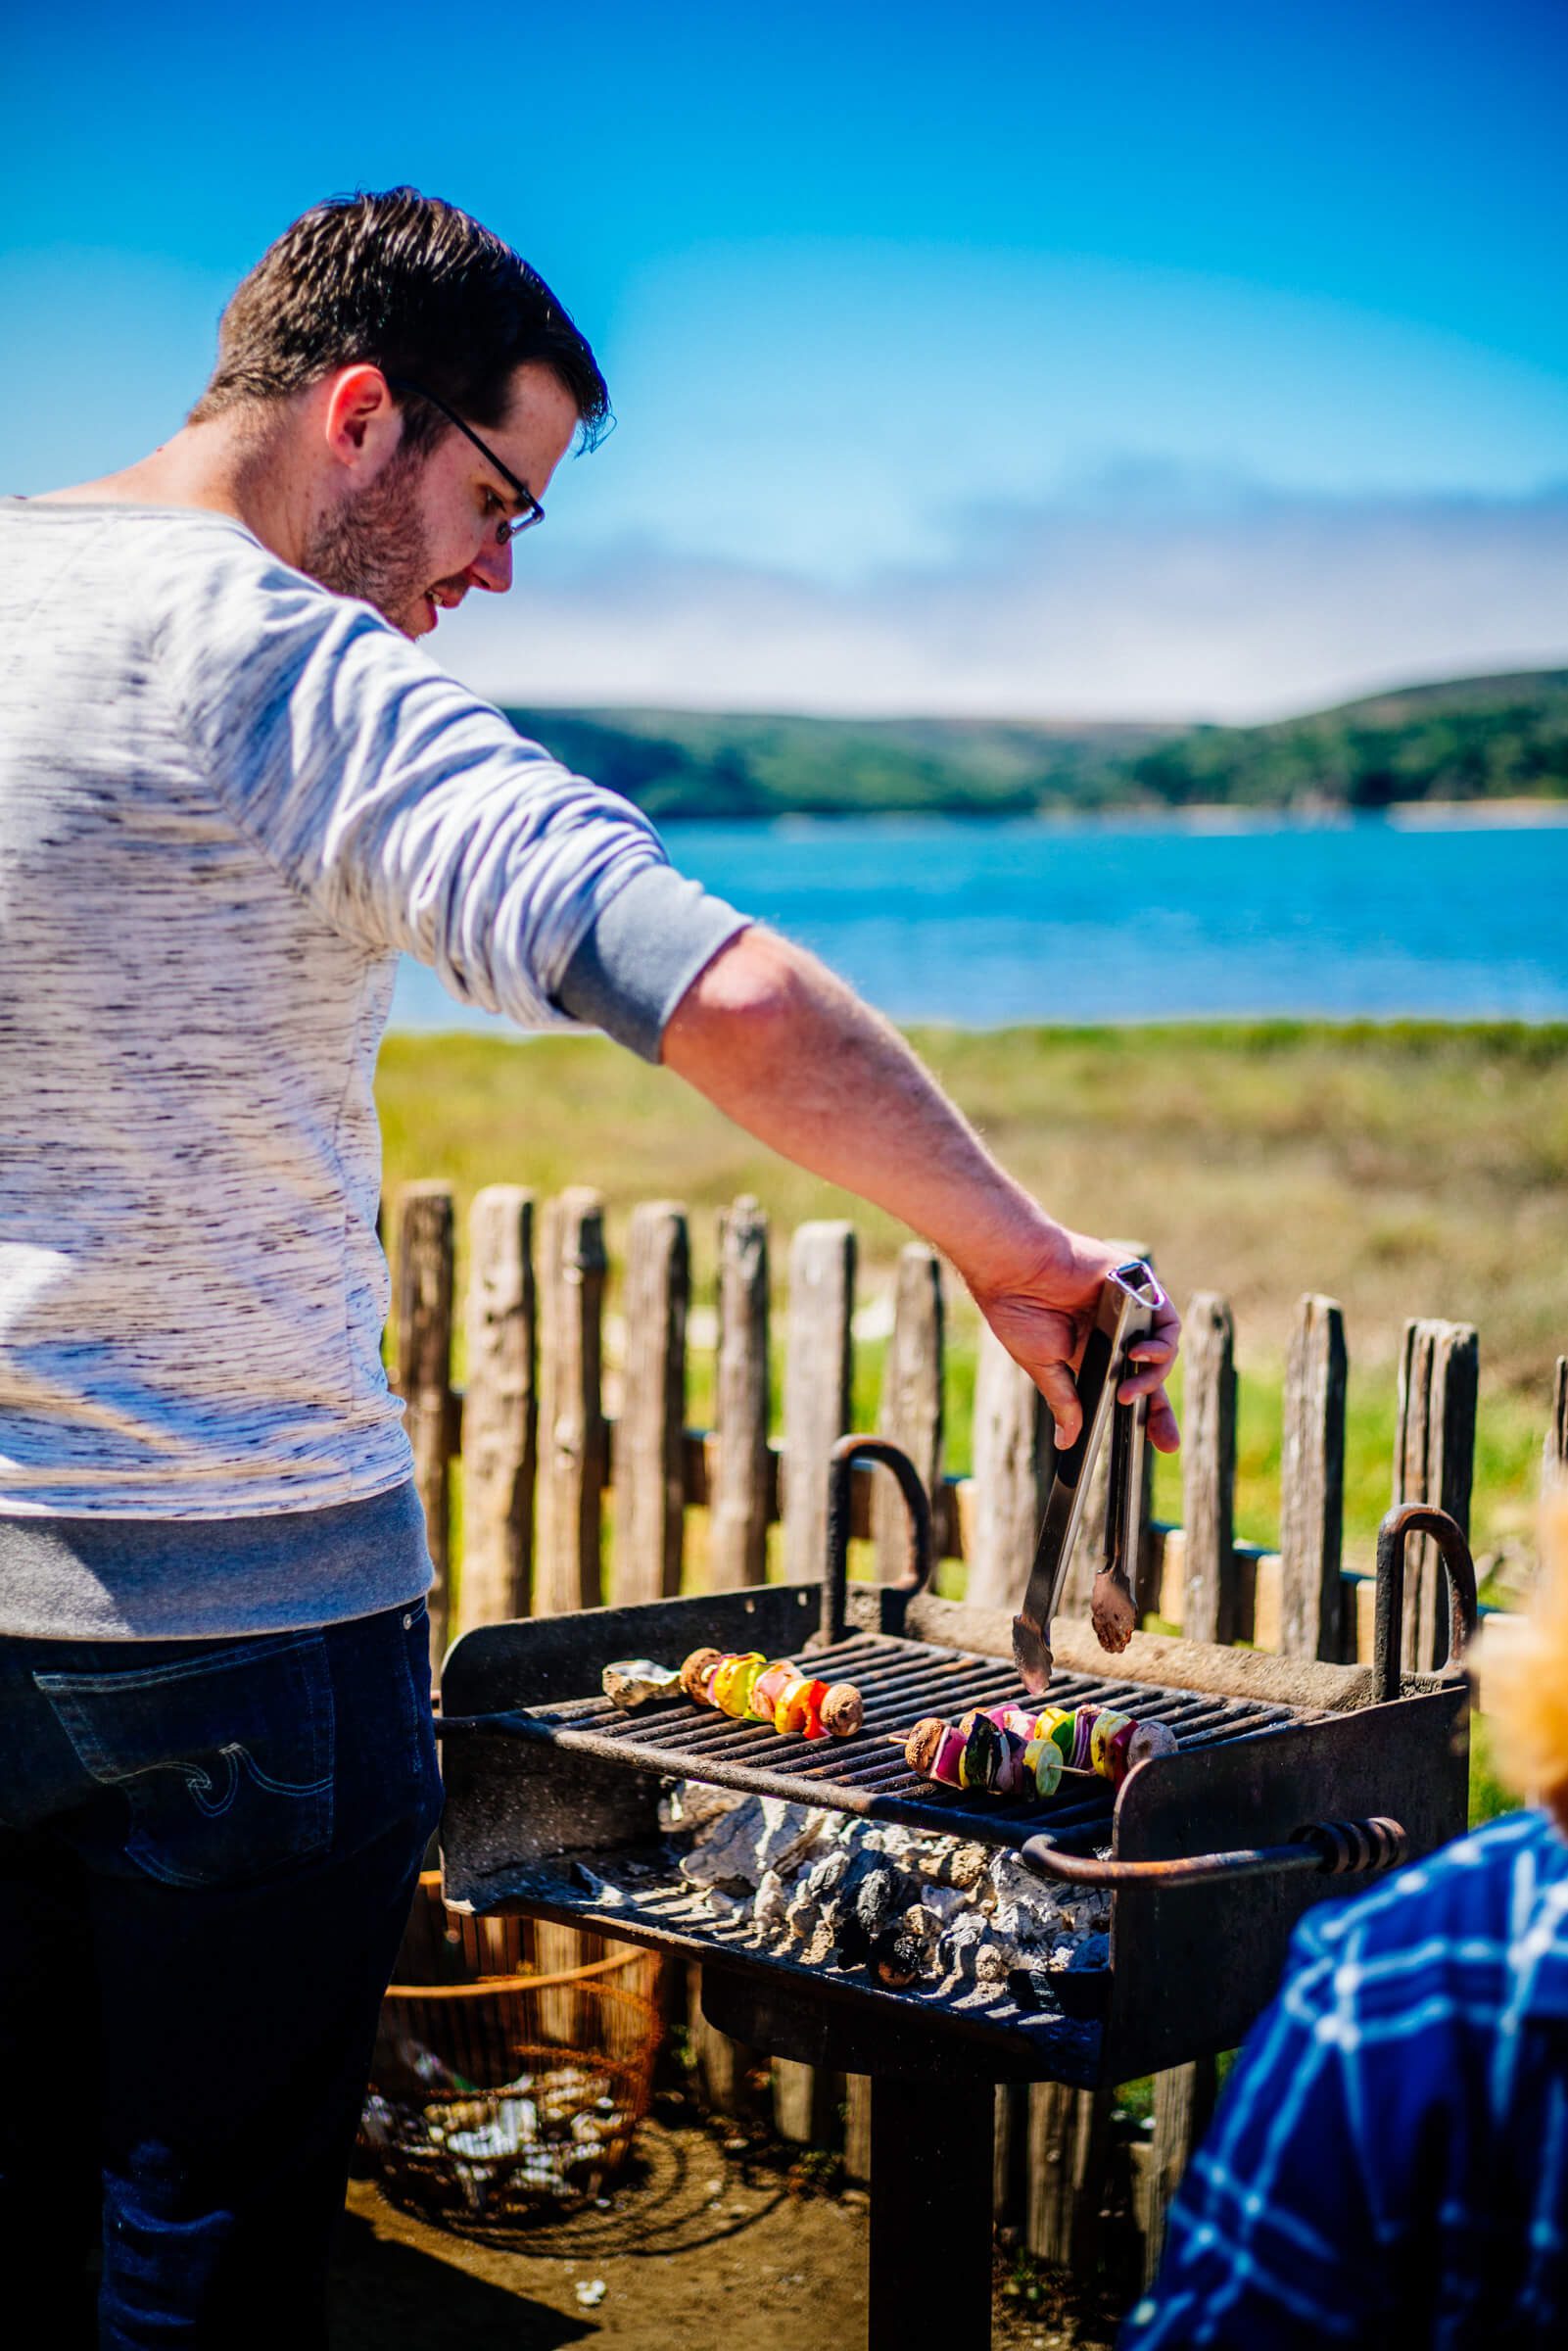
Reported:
(227, 802)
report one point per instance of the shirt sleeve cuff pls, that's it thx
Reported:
(642, 952)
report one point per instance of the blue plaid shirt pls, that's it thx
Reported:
(1389, 2165)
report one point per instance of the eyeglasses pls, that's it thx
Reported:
(511, 526)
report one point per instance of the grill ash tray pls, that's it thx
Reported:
(645, 1900)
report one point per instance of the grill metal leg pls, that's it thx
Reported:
(930, 2215)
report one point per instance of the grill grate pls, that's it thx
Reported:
(899, 1681)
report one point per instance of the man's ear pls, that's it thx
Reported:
(360, 422)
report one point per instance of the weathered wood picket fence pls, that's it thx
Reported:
(539, 1454)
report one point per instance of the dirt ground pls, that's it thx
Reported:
(707, 2234)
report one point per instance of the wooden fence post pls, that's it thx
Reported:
(911, 1409)
(910, 1412)
(649, 1467)
(501, 1407)
(737, 1533)
(857, 2127)
(816, 1386)
(738, 1508)
(1211, 1597)
(723, 2067)
(805, 2098)
(1184, 2105)
(571, 1479)
(1211, 1610)
(1068, 2148)
(424, 1373)
(571, 1432)
(1434, 1462)
(1312, 1484)
(1554, 1454)
(1013, 1466)
(817, 1394)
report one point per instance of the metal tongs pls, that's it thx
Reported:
(1126, 1312)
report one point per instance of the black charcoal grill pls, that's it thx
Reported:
(1290, 1777)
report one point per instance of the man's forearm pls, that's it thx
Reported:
(791, 1054)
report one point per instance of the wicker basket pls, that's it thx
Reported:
(512, 2064)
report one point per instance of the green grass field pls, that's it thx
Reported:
(1404, 1169)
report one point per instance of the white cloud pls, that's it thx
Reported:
(1153, 596)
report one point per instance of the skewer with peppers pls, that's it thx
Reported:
(1015, 1751)
(751, 1688)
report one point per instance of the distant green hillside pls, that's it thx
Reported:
(698, 764)
(1475, 739)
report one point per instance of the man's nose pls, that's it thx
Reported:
(491, 569)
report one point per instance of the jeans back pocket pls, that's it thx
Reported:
(225, 1758)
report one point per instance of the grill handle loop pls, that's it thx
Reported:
(1328, 1848)
(1392, 1542)
(836, 1580)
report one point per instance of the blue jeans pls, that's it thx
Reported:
(208, 1852)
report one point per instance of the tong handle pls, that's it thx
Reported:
(1128, 1300)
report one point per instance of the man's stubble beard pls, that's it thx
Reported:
(373, 546)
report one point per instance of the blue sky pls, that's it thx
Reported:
(1192, 358)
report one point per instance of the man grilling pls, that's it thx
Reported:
(232, 791)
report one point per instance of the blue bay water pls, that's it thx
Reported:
(981, 924)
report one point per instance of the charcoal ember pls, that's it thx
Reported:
(1013, 1925)
(992, 1961)
(960, 1943)
(824, 1877)
(1012, 1879)
(854, 1943)
(900, 1844)
(1034, 1988)
(1093, 1952)
(801, 1916)
(923, 1922)
(772, 1901)
(897, 1957)
(969, 1866)
(740, 1846)
(943, 1903)
(689, 1805)
(954, 1864)
(822, 1942)
(876, 1898)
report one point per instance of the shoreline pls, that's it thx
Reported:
(1243, 1030)
(1202, 817)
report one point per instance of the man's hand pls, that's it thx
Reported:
(791, 1054)
(1042, 1314)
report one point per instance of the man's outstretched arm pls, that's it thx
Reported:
(791, 1054)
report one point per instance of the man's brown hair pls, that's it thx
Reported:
(413, 286)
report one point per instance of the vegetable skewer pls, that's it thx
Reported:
(752, 1690)
(1012, 1751)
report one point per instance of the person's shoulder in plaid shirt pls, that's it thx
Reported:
(1388, 2164)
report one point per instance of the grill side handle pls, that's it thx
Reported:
(1392, 1542)
(1329, 1848)
(836, 1578)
